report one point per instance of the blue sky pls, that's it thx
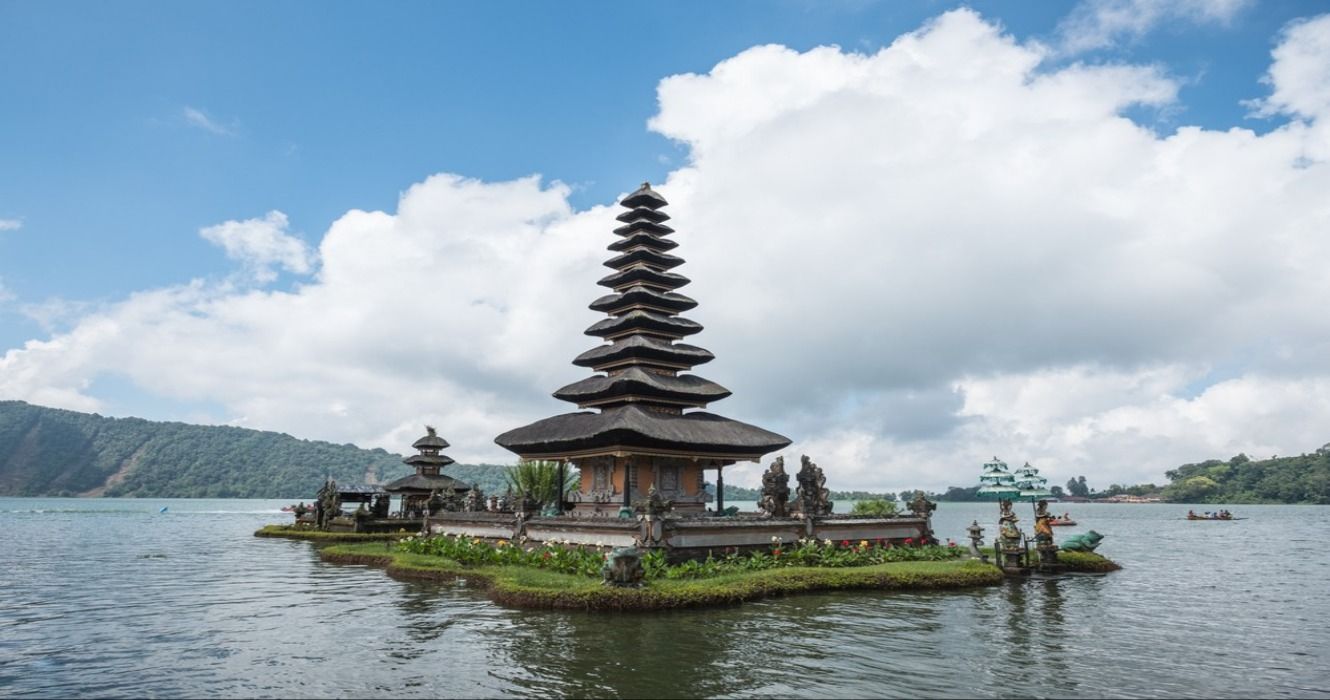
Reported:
(320, 108)
(127, 128)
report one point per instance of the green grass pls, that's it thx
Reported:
(527, 587)
(305, 533)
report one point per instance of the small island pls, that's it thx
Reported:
(609, 508)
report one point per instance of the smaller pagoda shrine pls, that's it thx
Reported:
(416, 489)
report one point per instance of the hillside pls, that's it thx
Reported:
(53, 452)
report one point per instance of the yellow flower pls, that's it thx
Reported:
(863, 543)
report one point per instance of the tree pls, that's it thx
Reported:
(1057, 492)
(1077, 487)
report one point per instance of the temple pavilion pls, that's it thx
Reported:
(643, 427)
(415, 489)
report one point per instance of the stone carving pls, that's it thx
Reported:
(921, 507)
(1082, 543)
(1010, 547)
(654, 504)
(623, 567)
(976, 539)
(775, 490)
(328, 505)
(381, 505)
(474, 501)
(814, 498)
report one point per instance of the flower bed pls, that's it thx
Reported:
(586, 560)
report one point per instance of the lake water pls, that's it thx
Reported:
(113, 598)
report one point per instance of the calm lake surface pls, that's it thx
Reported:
(111, 597)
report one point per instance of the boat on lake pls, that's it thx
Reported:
(1064, 521)
(1221, 515)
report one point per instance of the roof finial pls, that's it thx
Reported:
(430, 429)
(646, 185)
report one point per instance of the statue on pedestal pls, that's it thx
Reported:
(654, 504)
(775, 490)
(814, 498)
(474, 501)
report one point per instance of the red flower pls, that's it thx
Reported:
(845, 543)
(775, 552)
(547, 554)
(909, 541)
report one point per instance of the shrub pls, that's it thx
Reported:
(878, 507)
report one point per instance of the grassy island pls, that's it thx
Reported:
(556, 575)
(527, 587)
(308, 533)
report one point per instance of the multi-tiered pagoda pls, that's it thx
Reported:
(415, 489)
(644, 429)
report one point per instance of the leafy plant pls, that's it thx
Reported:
(539, 479)
(878, 507)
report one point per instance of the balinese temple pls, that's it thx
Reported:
(415, 489)
(642, 426)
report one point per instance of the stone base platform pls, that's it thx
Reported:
(681, 537)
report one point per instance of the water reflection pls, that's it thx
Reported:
(214, 611)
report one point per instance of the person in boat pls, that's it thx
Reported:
(1191, 514)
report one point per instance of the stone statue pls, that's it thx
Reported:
(1007, 528)
(474, 501)
(382, 503)
(435, 503)
(775, 490)
(814, 498)
(1043, 538)
(623, 567)
(654, 503)
(505, 502)
(1082, 543)
(1043, 523)
(921, 507)
(329, 504)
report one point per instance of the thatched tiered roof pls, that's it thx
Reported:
(642, 397)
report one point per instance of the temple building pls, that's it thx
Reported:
(643, 427)
(415, 489)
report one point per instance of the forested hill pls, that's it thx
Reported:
(53, 452)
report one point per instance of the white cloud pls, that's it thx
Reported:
(1097, 24)
(198, 118)
(10, 224)
(907, 261)
(1300, 73)
(260, 244)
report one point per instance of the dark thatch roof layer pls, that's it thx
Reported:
(644, 197)
(420, 482)
(431, 441)
(688, 389)
(645, 226)
(644, 348)
(429, 460)
(663, 261)
(644, 322)
(643, 213)
(634, 427)
(671, 302)
(644, 275)
(642, 239)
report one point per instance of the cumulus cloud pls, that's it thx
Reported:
(261, 244)
(10, 224)
(1300, 73)
(908, 261)
(1096, 24)
(199, 119)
